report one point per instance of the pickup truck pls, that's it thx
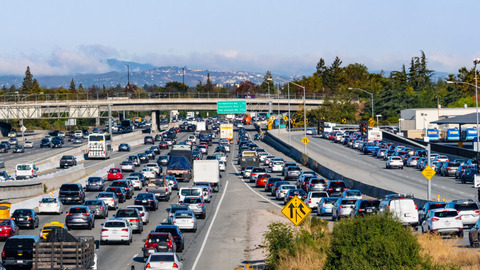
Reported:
(249, 158)
(67, 161)
(159, 189)
(71, 192)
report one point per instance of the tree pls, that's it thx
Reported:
(246, 87)
(208, 88)
(72, 86)
(267, 82)
(27, 84)
(80, 87)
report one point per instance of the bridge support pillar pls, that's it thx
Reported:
(97, 122)
(155, 121)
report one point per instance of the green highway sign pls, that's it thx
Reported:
(237, 106)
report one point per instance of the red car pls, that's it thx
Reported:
(163, 145)
(262, 180)
(8, 228)
(115, 174)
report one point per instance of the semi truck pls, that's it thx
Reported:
(226, 132)
(207, 171)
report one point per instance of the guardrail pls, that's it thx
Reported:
(298, 156)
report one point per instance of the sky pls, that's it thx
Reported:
(58, 37)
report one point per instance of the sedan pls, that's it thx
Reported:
(18, 149)
(325, 205)
(163, 145)
(124, 147)
(97, 207)
(28, 144)
(163, 160)
(185, 220)
(143, 212)
(25, 218)
(80, 216)
(343, 208)
(50, 205)
(148, 200)
(133, 217)
(120, 192)
(196, 205)
(116, 230)
(8, 228)
(127, 166)
(94, 183)
(109, 198)
(163, 260)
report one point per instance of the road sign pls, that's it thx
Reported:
(235, 106)
(292, 121)
(305, 140)
(428, 172)
(371, 122)
(269, 122)
(23, 129)
(296, 210)
(344, 120)
(272, 117)
(285, 118)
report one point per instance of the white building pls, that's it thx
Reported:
(421, 118)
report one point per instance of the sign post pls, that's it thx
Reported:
(296, 210)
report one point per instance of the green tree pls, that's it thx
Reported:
(208, 87)
(27, 84)
(72, 86)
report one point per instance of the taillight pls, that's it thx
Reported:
(3, 254)
(104, 230)
(435, 219)
(416, 207)
(147, 189)
(459, 218)
(135, 220)
(477, 211)
(124, 230)
(12, 218)
(361, 210)
(30, 218)
(310, 200)
(148, 265)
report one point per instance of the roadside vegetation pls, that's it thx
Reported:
(371, 242)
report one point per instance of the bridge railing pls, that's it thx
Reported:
(24, 98)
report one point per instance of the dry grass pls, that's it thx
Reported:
(444, 253)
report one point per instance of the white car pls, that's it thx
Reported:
(443, 221)
(110, 199)
(222, 165)
(50, 205)
(185, 220)
(148, 173)
(352, 194)
(262, 156)
(154, 166)
(314, 197)
(277, 166)
(163, 260)
(28, 144)
(394, 162)
(192, 138)
(343, 208)
(143, 212)
(127, 166)
(136, 182)
(282, 191)
(116, 230)
(247, 171)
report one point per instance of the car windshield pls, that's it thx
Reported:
(142, 196)
(23, 167)
(152, 238)
(446, 213)
(373, 203)
(190, 192)
(126, 213)
(466, 206)
(105, 195)
(162, 258)
(353, 193)
(349, 202)
(69, 188)
(337, 185)
(319, 194)
(49, 200)
(18, 243)
(22, 212)
(179, 215)
(192, 200)
(259, 170)
(114, 171)
(77, 210)
(94, 180)
(115, 224)
(437, 205)
(93, 202)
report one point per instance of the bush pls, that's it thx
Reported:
(278, 240)
(374, 242)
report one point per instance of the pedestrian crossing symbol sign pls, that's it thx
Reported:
(296, 210)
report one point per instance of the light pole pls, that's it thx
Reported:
(475, 62)
(268, 97)
(371, 94)
(304, 115)
(183, 78)
(378, 115)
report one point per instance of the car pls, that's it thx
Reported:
(343, 208)
(277, 185)
(158, 242)
(71, 193)
(25, 218)
(77, 140)
(97, 207)
(174, 208)
(158, 169)
(247, 171)
(148, 140)
(155, 149)
(127, 185)
(140, 176)
(143, 212)
(467, 209)
(110, 199)
(150, 154)
(116, 230)
(114, 174)
(427, 207)
(119, 192)
(366, 207)
(12, 258)
(262, 180)
(136, 182)
(255, 172)
(18, 149)
(314, 197)
(124, 147)
(134, 159)
(196, 205)
(50, 205)
(222, 165)
(335, 187)
(163, 145)
(311, 131)
(270, 183)
(207, 190)
(148, 200)
(292, 173)
(282, 191)
(352, 193)
(143, 158)
(47, 228)
(403, 207)
(287, 164)
(185, 220)
(449, 168)
(394, 162)
(45, 143)
(316, 184)
(300, 193)
(326, 205)
(80, 216)
(127, 166)
(8, 228)
(473, 235)
(443, 221)
(148, 173)
(133, 217)
(95, 183)
(163, 160)
(175, 232)
(163, 260)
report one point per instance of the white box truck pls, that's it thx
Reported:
(207, 171)
(226, 132)
(375, 134)
(201, 126)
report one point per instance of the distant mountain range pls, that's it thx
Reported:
(141, 74)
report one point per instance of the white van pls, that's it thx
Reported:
(189, 191)
(25, 171)
(403, 207)
(78, 133)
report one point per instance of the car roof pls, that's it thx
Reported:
(36, 237)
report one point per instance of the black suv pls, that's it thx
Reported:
(71, 192)
(18, 251)
(124, 184)
(335, 188)
(148, 140)
(175, 232)
(67, 160)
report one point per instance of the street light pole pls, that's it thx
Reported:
(371, 94)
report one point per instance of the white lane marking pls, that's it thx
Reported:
(210, 227)
(268, 200)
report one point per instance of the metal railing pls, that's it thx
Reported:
(21, 98)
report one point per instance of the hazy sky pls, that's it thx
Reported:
(286, 37)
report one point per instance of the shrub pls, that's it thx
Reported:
(278, 240)
(374, 242)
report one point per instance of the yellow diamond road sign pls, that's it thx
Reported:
(305, 140)
(285, 118)
(296, 210)
(428, 172)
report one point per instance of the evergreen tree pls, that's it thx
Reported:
(36, 87)
(199, 87)
(209, 85)
(27, 84)
(72, 86)
(80, 87)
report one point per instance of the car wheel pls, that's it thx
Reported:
(460, 234)
(128, 242)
